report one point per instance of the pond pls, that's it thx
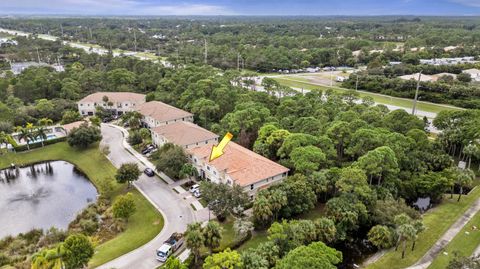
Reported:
(41, 196)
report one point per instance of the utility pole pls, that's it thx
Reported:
(416, 93)
(356, 83)
(206, 52)
(38, 55)
(135, 39)
(331, 76)
(238, 61)
(90, 31)
(61, 29)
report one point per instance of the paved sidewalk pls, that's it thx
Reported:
(428, 258)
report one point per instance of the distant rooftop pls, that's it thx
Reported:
(162, 112)
(116, 97)
(184, 133)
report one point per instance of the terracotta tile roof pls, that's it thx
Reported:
(114, 97)
(68, 127)
(244, 166)
(184, 133)
(161, 111)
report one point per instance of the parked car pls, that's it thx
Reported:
(194, 188)
(197, 193)
(149, 172)
(171, 245)
(148, 149)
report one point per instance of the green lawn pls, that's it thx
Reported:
(465, 244)
(437, 222)
(144, 225)
(381, 99)
(258, 237)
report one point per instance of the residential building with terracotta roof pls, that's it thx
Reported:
(237, 165)
(183, 133)
(156, 113)
(117, 102)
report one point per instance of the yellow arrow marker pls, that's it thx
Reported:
(217, 151)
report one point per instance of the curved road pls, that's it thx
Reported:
(176, 212)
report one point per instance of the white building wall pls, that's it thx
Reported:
(152, 123)
(215, 176)
(122, 107)
(159, 140)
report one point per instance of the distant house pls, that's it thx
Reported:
(340, 79)
(449, 48)
(117, 102)
(7, 42)
(474, 73)
(156, 113)
(423, 77)
(439, 75)
(70, 126)
(185, 134)
(239, 166)
(18, 68)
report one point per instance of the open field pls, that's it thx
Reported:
(437, 221)
(292, 81)
(144, 225)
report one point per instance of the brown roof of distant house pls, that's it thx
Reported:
(184, 133)
(114, 97)
(161, 111)
(68, 127)
(244, 166)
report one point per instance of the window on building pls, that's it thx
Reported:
(208, 168)
(251, 187)
(81, 104)
(215, 172)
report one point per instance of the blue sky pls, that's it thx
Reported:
(242, 7)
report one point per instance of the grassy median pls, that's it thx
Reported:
(378, 98)
(437, 221)
(143, 226)
(464, 243)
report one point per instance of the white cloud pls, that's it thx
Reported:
(118, 7)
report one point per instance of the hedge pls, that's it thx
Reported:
(39, 144)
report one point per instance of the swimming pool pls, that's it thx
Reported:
(38, 139)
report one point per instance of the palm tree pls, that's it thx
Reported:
(212, 235)
(3, 139)
(405, 233)
(470, 151)
(49, 259)
(41, 133)
(464, 179)
(277, 199)
(45, 122)
(419, 227)
(194, 239)
(25, 134)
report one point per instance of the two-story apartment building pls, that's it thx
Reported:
(183, 133)
(156, 113)
(118, 102)
(237, 165)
